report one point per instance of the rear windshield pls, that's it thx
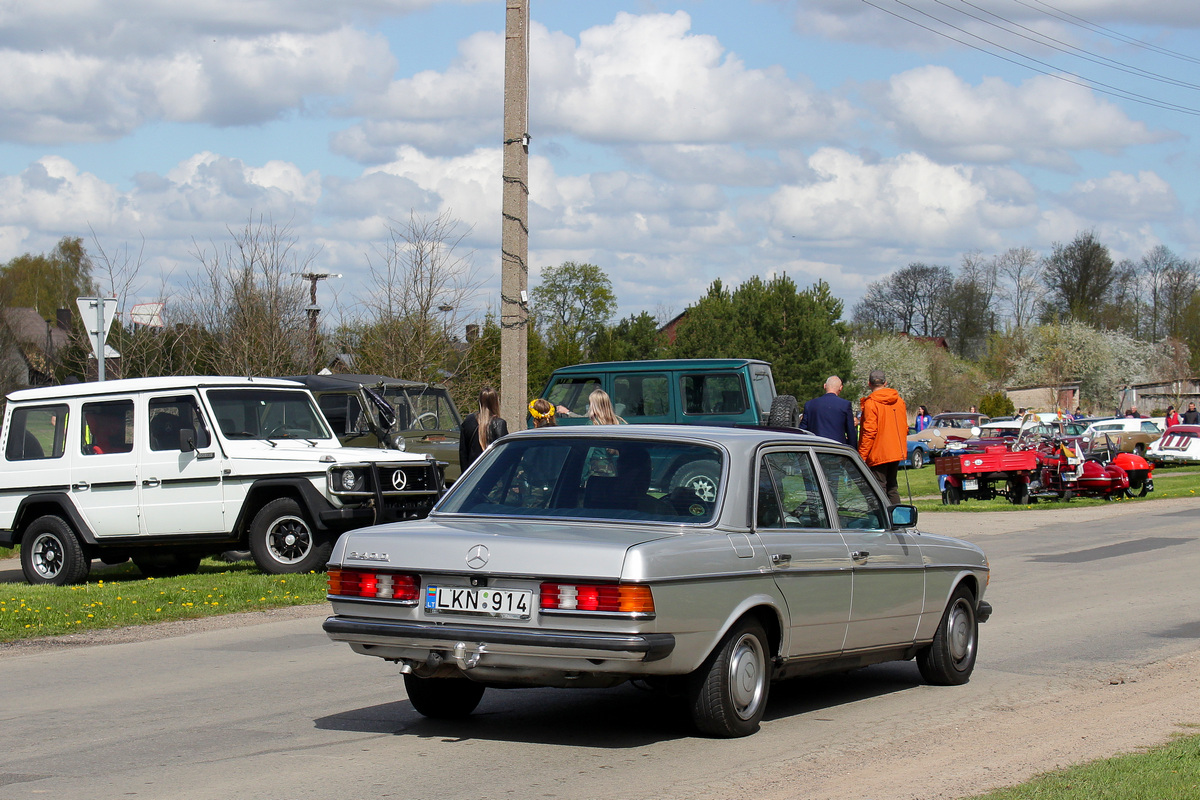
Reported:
(619, 478)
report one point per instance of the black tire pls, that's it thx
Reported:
(950, 658)
(917, 459)
(443, 698)
(703, 478)
(1139, 450)
(728, 693)
(952, 495)
(52, 554)
(1018, 492)
(1142, 491)
(785, 412)
(167, 565)
(283, 541)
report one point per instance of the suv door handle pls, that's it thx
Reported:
(781, 559)
(860, 555)
(151, 482)
(205, 456)
(82, 486)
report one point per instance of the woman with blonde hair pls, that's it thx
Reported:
(543, 413)
(600, 409)
(481, 428)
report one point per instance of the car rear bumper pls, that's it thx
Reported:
(554, 644)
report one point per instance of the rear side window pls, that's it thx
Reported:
(37, 432)
(642, 395)
(107, 427)
(713, 393)
(573, 393)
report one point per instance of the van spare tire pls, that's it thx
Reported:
(785, 412)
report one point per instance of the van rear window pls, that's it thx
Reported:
(713, 393)
(37, 432)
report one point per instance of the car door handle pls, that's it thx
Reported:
(151, 482)
(82, 486)
(781, 559)
(860, 555)
(205, 456)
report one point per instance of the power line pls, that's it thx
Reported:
(1080, 22)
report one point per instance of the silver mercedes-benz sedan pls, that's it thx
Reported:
(710, 561)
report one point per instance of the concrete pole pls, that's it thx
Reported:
(514, 237)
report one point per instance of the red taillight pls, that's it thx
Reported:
(384, 585)
(597, 597)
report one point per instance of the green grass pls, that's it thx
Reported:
(120, 596)
(1170, 772)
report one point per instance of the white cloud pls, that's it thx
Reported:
(1124, 197)
(1041, 121)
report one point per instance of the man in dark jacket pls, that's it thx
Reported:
(1191, 416)
(831, 416)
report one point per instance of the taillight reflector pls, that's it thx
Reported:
(385, 585)
(628, 598)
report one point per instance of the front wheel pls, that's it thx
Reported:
(51, 553)
(1018, 492)
(443, 698)
(950, 657)
(728, 693)
(283, 542)
(917, 459)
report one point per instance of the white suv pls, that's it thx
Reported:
(167, 470)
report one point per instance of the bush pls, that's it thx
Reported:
(997, 404)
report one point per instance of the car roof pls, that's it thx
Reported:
(959, 415)
(734, 436)
(660, 364)
(127, 385)
(322, 383)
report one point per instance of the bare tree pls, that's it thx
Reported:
(1180, 283)
(421, 292)
(1153, 268)
(1019, 284)
(244, 314)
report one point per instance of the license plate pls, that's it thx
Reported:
(970, 484)
(1068, 476)
(509, 603)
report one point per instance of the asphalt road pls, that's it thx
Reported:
(1085, 601)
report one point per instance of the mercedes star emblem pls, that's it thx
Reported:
(399, 480)
(477, 557)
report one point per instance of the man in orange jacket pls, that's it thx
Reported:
(883, 440)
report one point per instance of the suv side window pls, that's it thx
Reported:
(1149, 427)
(573, 393)
(642, 395)
(37, 432)
(107, 427)
(789, 495)
(713, 393)
(858, 507)
(341, 410)
(170, 415)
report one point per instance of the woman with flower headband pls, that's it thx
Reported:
(543, 413)
(482, 428)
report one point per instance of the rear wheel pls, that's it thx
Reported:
(952, 495)
(1018, 492)
(51, 553)
(443, 698)
(950, 658)
(785, 412)
(917, 459)
(728, 693)
(701, 478)
(283, 542)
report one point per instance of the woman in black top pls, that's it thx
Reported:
(481, 428)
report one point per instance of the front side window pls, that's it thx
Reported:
(858, 506)
(573, 392)
(37, 432)
(342, 411)
(597, 478)
(266, 414)
(789, 494)
(713, 393)
(107, 427)
(170, 415)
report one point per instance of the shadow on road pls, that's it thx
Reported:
(626, 716)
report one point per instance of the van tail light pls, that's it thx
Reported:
(381, 585)
(611, 597)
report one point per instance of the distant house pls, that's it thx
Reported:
(936, 341)
(1157, 395)
(30, 355)
(1045, 398)
(670, 329)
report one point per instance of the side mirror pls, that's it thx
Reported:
(903, 516)
(187, 440)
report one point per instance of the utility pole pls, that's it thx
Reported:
(314, 311)
(514, 237)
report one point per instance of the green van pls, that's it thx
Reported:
(696, 391)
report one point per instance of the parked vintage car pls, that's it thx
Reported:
(945, 428)
(1179, 444)
(166, 470)
(1130, 434)
(579, 557)
(378, 411)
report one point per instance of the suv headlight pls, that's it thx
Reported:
(348, 480)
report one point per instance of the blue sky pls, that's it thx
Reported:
(673, 142)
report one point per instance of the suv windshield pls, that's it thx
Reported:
(421, 408)
(267, 414)
(616, 478)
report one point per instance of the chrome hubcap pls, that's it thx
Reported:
(960, 632)
(289, 540)
(747, 679)
(47, 555)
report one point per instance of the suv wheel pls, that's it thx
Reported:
(51, 553)
(785, 412)
(283, 542)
